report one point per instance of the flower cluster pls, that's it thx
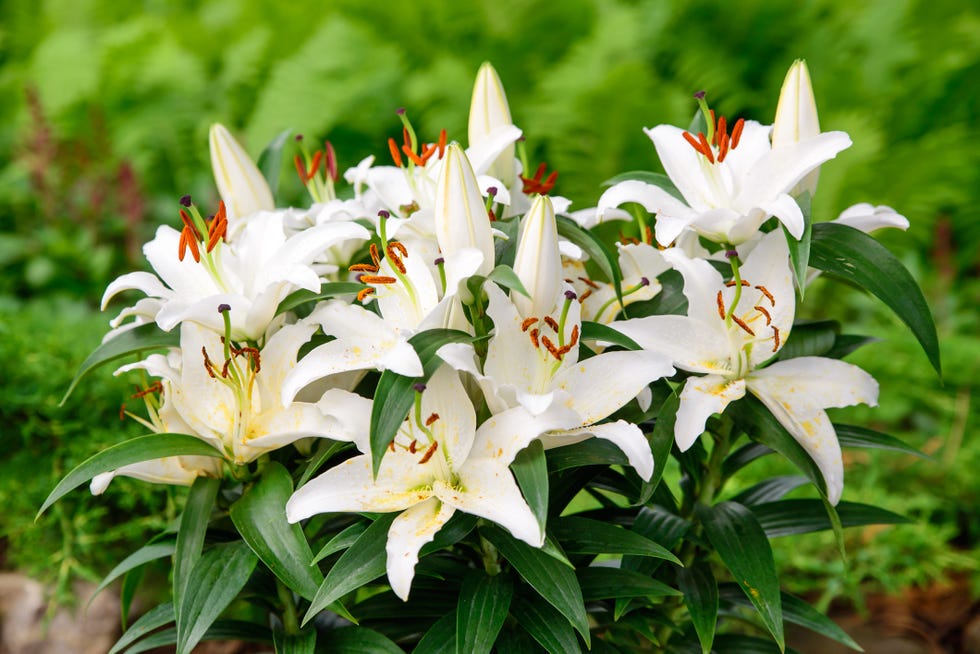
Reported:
(292, 325)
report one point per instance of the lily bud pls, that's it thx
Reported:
(796, 118)
(489, 111)
(239, 181)
(460, 212)
(538, 262)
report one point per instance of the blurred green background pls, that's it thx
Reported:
(104, 112)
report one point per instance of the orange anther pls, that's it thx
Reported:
(551, 322)
(765, 291)
(428, 152)
(721, 305)
(534, 337)
(442, 143)
(705, 147)
(431, 419)
(693, 141)
(315, 165)
(588, 282)
(775, 338)
(189, 225)
(738, 321)
(527, 323)
(375, 257)
(763, 311)
(416, 159)
(400, 247)
(583, 296)
(362, 267)
(300, 168)
(377, 279)
(551, 347)
(429, 452)
(731, 282)
(364, 292)
(574, 339)
(393, 148)
(737, 132)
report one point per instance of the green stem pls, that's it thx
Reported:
(290, 619)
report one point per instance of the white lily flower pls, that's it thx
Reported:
(252, 275)
(488, 111)
(796, 118)
(729, 344)
(461, 219)
(240, 183)
(731, 183)
(867, 217)
(640, 263)
(537, 261)
(438, 463)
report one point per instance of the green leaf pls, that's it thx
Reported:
(599, 332)
(260, 517)
(358, 640)
(854, 436)
(150, 621)
(769, 490)
(810, 339)
(741, 644)
(302, 643)
(530, 469)
(440, 638)
(145, 554)
(799, 251)
(797, 612)
(219, 575)
(661, 441)
(190, 538)
(220, 630)
(363, 562)
(585, 536)
(598, 251)
(742, 457)
(552, 580)
(270, 161)
(394, 395)
(801, 516)
(546, 625)
(483, 605)
(608, 583)
(142, 448)
(670, 301)
(701, 598)
(506, 277)
(741, 543)
(327, 290)
(657, 179)
(854, 256)
(341, 541)
(132, 341)
(594, 451)
(326, 449)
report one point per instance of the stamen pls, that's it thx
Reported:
(431, 419)
(534, 337)
(583, 296)
(393, 148)
(300, 168)
(737, 132)
(122, 412)
(775, 338)
(551, 322)
(707, 148)
(411, 446)
(362, 267)
(442, 143)
(391, 445)
(428, 152)
(364, 292)
(722, 132)
(693, 141)
(187, 240)
(732, 282)
(392, 252)
(415, 159)
(331, 161)
(768, 295)
(208, 365)
(375, 257)
(648, 233)
(763, 311)
(400, 247)
(552, 349)
(738, 321)
(588, 282)
(527, 323)
(189, 225)
(429, 452)
(574, 338)
(377, 279)
(721, 305)
(155, 387)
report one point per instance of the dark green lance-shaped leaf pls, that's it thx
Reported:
(440, 638)
(363, 562)
(650, 177)
(769, 490)
(327, 291)
(797, 612)
(221, 630)
(145, 554)
(133, 341)
(546, 625)
(270, 161)
(150, 621)
(598, 251)
(743, 547)
(854, 436)
(854, 256)
(260, 517)
(805, 515)
(530, 468)
(596, 331)
(585, 536)
(742, 457)
(609, 583)
(701, 598)
(341, 541)
(142, 448)
(844, 344)
(553, 580)
(591, 452)
(506, 277)
(190, 537)
(302, 643)
(358, 640)
(483, 605)
(395, 395)
(219, 575)
(661, 441)
(799, 251)
(810, 339)
(757, 421)
(741, 644)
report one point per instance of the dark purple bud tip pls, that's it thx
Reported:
(731, 254)
(400, 111)
(492, 191)
(644, 281)
(418, 387)
(224, 307)
(699, 95)
(384, 214)
(298, 138)
(185, 200)
(440, 261)
(570, 295)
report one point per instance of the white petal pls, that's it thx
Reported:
(624, 435)
(787, 211)
(350, 416)
(701, 398)
(502, 436)
(653, 198)
(415, 527)
(460, 214)
(148, 283)
(812, 383)
(537, 261)
(239, 181)
(701, 285)
(691, 345)
(487, 489)
(868, 218)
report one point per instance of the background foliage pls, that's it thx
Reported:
(105, 108)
